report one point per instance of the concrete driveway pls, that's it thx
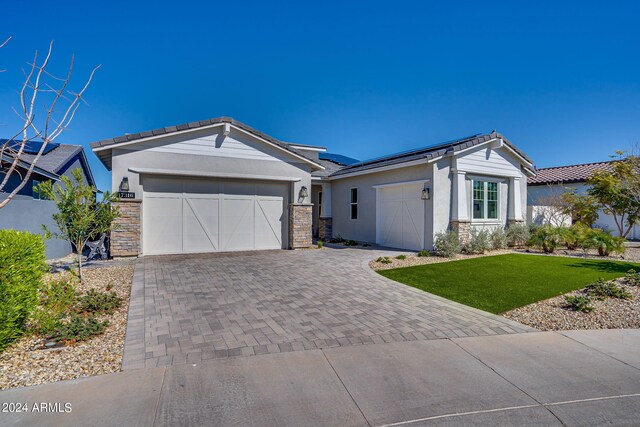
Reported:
(581, 378)
(190, 308)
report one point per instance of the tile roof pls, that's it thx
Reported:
(567, 174)
(330, 167)
(428, 153)
(105, 157)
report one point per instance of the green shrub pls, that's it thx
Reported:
(498, 238)
(22, 265)
(602, 289)
(578, 302)
(571, 236)
(56, 299)
(602, 241)
(401, 257)
(98, 302)
(320, 244)
(80, 328)
(632, 278)
(517, 235)
(546, 238)
(384, 260)
(447, 244)
(350, 243)
(424, 253)
(478, 242)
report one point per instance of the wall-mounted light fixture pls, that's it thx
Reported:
(302, 194)
(124, 184)
(426, 193)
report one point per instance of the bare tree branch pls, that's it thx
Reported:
(46, 126)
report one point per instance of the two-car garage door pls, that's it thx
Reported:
(183, 215)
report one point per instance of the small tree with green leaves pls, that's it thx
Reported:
(617, 191)
(80, 217)
(582, 208)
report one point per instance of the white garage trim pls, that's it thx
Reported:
(150, 171)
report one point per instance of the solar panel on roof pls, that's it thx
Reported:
(31, 147)
(338, 158)
(417, 150)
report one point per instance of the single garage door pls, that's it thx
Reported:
(401, 216)
(183, 215)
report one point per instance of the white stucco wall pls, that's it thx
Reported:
(364, 228)
(541, 196)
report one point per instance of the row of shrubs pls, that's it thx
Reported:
(546, 238)
(54, 308)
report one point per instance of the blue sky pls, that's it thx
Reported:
(560, 79)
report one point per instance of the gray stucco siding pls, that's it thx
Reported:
(364, 227)
(25, 213)
(166, 157)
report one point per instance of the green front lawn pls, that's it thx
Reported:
(504, 282)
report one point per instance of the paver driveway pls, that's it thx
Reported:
(190, 308)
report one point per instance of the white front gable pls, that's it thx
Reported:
(212, 142)
(489, 161)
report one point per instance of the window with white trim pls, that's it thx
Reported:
(485, 200)
(354, 202)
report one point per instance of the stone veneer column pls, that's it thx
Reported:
(462, 228)
(325, 228)
(126, 238)
(300, 229)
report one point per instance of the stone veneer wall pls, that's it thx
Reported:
(325, 228)
(300, 228)
(463, 228)
(126, 238)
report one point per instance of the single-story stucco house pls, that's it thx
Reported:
(28, 210)
(220, 185)
(547, 186)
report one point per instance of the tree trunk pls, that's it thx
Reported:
(79, 247)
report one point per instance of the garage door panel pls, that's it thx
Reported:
(200, 224)
(401, 221)
(269, 220)
(163, 225)
(237, 224)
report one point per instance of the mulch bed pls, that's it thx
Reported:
(25, 363)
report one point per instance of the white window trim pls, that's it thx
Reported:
(487, 220)
(352, 203)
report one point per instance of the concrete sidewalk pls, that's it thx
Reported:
(540, 378)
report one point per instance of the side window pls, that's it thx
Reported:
(354, 203)
(320, 203)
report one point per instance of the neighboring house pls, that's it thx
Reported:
(549, 184)
(28, 211)
(220, 185)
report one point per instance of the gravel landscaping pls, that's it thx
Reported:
(412, 260)
(25, 363)
(552, 315)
